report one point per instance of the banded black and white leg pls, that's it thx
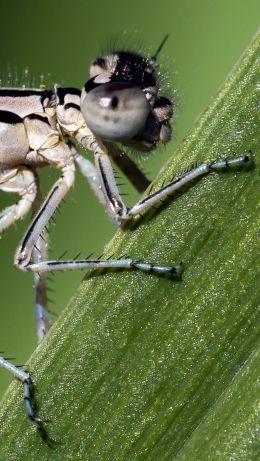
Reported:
(23, 257)
(22, 182)
(114, 202)
(117, 210)
(28, 390)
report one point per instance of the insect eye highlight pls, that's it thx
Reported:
(114, 111)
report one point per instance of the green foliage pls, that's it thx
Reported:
(141, 367)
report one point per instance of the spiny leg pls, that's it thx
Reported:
(115, 204)
(42, 324)
(21, 181)
(175, 185)
(90, 173)
(28, 390)
(127, 166)
(123, 263)
(43, 216)
(144, 204)
(39, 254)
(40, 221)
(25, 185)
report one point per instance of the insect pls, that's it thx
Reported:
(120, 105)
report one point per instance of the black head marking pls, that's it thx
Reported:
(128, 67)
(62, 92)
(136, 69)
(100, 62)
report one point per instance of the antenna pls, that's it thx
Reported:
(155, 56)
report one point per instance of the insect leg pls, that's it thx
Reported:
(41, 219)
(89, 172)
(27, 389)
(124, 263)
(203, 169)
(114, 203)
(44, 214)
(118, 208)
(42, 324)
(20, 181)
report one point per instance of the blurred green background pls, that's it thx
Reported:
(60, 39)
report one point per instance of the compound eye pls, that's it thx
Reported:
(115, 111)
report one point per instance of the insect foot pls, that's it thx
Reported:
(28, 390)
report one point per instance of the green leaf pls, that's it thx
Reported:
(146, 367)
